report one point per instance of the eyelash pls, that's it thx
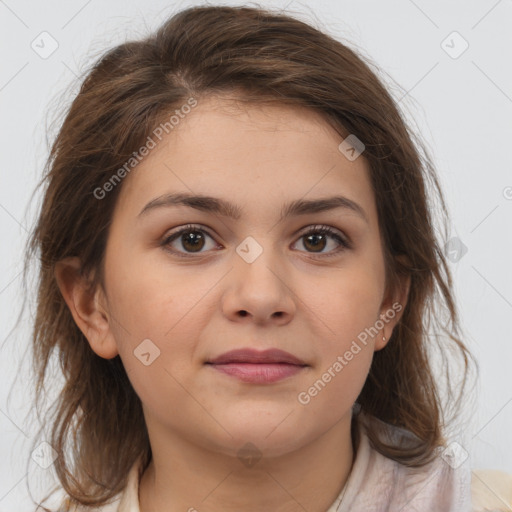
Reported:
(317, 229)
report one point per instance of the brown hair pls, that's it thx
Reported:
(258, 56)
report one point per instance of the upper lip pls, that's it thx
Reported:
(248, 355)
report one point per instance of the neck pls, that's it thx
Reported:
(184, 477)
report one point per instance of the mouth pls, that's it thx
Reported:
(254, 366)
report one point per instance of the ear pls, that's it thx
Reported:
(393, 306)
(86, 306)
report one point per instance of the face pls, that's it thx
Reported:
(255, 280)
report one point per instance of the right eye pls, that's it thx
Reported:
(191, 238)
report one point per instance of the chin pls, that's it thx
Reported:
(264, 433)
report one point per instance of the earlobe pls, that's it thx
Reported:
(86, 307)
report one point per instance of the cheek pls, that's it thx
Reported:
(155, 329)
(346, 302)
(151, 297)
(348, 308)
(335, 388)
(167, 308)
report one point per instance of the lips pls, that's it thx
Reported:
(269, 356)
(258, 367)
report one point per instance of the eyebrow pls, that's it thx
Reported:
(225, 208)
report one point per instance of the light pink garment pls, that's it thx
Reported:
(379, 484)
(375, 484)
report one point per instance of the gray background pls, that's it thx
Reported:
(460, 103)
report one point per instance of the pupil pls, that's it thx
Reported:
(309, 237)
(194, 239)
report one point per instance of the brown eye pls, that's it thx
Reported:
(190, 239)
(316, 240)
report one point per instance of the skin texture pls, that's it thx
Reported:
(295, 298)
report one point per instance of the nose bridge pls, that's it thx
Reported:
(258, 258)
(260, 285)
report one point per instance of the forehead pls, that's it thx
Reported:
(248, 154)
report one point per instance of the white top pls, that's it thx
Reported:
(379, 484)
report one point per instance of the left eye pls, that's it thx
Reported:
(193, 239)
(317, 237)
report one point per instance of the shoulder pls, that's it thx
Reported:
(491, 490)
(449, 480)
(377, 480)
(68, 506)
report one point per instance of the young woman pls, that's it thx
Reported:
(241, 279)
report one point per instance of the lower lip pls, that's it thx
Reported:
(259, 372)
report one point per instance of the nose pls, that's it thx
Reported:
(259, 291)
